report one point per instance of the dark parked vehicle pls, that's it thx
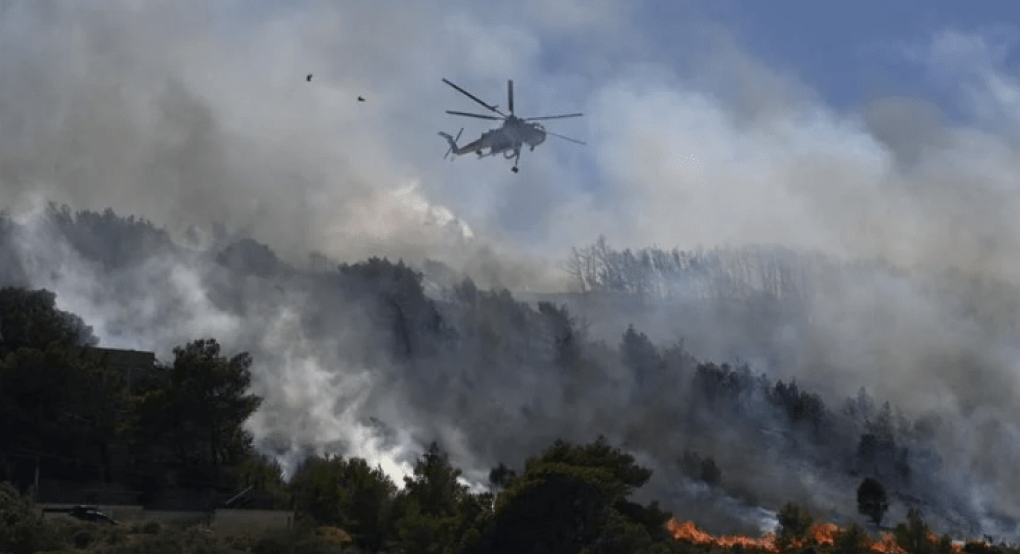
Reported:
(83, 513)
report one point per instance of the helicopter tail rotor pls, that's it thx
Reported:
(452, 141)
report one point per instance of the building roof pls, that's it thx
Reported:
(120, 359)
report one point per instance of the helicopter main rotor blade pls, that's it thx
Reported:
(473, 97)
(479, 116)
(566, 138)
(553, 116)
(510, 95)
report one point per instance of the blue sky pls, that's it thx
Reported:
(847, 49)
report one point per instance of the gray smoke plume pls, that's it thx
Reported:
(197, 116)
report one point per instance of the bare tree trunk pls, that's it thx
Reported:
(104, 457)
(576, 269)
(213, 446)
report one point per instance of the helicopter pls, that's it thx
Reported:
(507, 139)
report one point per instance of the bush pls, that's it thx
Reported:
(173, 542)
(22, 529)
(853, 540)
(293, 541)
(794, 522)
(912, 535)
(82, 539)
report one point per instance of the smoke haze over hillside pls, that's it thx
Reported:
(198, 114)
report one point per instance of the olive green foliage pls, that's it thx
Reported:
(300, 540)
(852, 540)
(201, 407)
(432, 504)
(51, 398)
(433, 486)
(71, 409)
(573, 499)
(30, 319)
(945, 545)
(189, 413)
(974, 547)
(53, 395)
(912, 534)
(794, 522)
(414, 324)
(22, 530)
(569, 499)
(346, 493)
(263, 473)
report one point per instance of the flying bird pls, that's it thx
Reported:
(309, 78)
(360, 99)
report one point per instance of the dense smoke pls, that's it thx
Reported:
(196, 115)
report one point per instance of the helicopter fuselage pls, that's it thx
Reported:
(514, 133)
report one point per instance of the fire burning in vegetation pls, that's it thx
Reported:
(687, 531)
(825, 534)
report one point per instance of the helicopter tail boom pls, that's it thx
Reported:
(460, 150)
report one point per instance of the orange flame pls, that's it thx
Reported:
(887, 545)
(688, 532)
(820, 533)
(825, 533)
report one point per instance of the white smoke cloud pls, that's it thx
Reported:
(199, 113)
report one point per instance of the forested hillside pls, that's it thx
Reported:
(264, 361)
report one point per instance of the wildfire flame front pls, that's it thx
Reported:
(820, 533)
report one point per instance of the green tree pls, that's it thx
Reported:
(571, 498)
(794, 523)
(264, 474)
(640, 357)
(366, 497)
(912, 535)
(566, 342)
(56, 401)
(872, 500)
(201, 406)
(32, 397)
(346, 493)
(315, 488)
(434, 483)
(620, 536)
(430, 504)
(30, 318)
(417, 327)
(853, 540)
(97, 407)
(945, 545)
(421, 533)
(501, 476)
(22, 530)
